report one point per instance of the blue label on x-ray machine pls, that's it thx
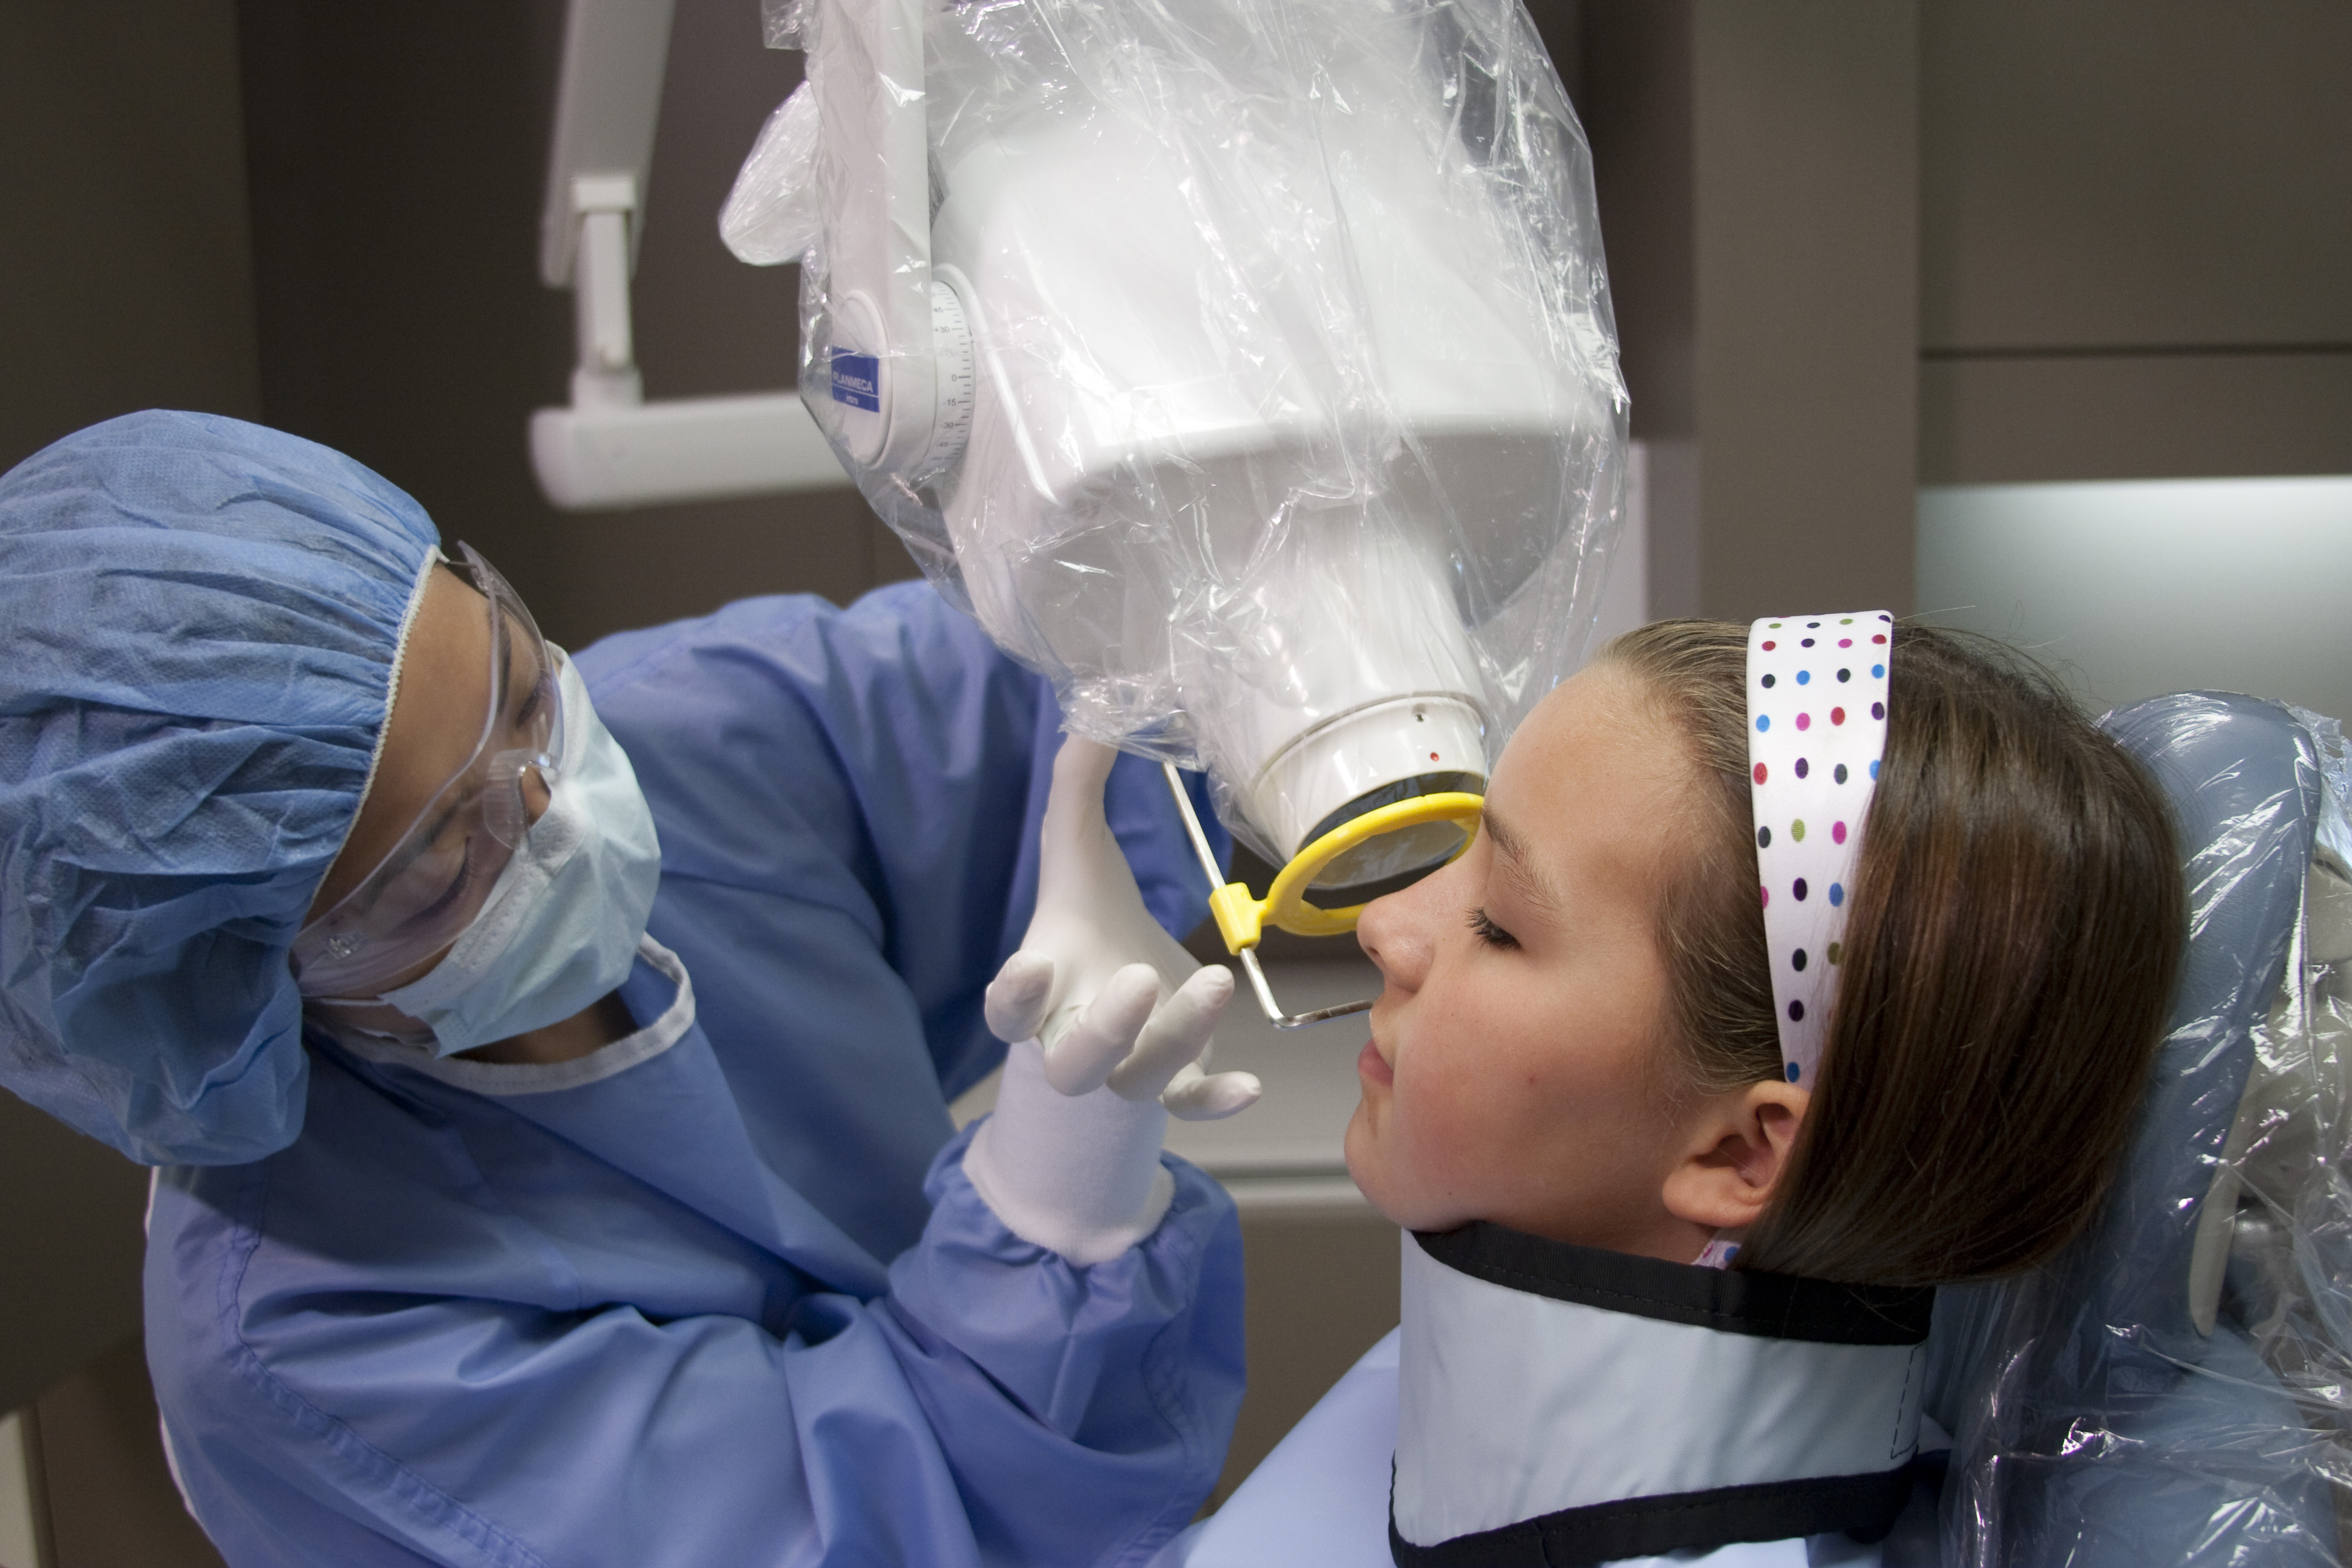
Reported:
(857, 380)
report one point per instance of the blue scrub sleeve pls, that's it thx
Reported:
(1121, 1380)
(998, 1407)
(886, 760)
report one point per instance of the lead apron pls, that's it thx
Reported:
(1562, 1405)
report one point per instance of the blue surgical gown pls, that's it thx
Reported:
(733, 1303)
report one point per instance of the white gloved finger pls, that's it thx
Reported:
(1014, 1004)
(1196, 1096)
(1080, 1061)
(1178, 1033)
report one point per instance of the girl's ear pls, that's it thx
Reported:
(1736, 1149)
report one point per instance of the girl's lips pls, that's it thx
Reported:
(1372, 1068)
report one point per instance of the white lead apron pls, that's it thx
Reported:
(1562, 1405)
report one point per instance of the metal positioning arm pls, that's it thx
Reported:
(1248, 952)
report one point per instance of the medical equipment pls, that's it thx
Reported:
(1249, 373)
(1242, 916)
(1104, 1043)
(434, 880)
(610, 447)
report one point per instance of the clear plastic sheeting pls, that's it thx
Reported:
(2175, 1388)
(771, 214)
(1245, 367)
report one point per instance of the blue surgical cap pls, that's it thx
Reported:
(199, 620)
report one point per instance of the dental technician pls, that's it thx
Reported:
(547, 1060)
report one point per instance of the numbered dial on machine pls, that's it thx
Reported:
(951, 349)
(873, 404)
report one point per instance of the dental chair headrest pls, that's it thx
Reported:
(2095, 1425)
(2244, 787)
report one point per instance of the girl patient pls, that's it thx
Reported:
(1717, 1048)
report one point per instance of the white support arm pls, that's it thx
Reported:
(606, 104)
(607, 376)
(610, 447)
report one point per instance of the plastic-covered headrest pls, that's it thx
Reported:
(2243, 782)
(2094, 1423)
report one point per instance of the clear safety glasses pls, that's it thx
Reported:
(435, 879)
(1242, 916)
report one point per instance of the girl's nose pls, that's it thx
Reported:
(1394, 934)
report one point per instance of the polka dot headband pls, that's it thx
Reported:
(1817, 729)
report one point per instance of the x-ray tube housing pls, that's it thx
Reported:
(1276, 415)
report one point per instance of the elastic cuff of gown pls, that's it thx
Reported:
(1080, 1241)
(1197, 1206)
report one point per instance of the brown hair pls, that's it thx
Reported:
(2016, 926)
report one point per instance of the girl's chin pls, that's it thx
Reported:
(1364, 1162)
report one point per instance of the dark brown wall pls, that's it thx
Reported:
(1637, 112)
(104, 1488)
(2145, 174)
(1806, 194)
(127, 278)
(69, 1250)
(394, 193)
(1758, 184)
(125, 282)
(398, 155)
(1323, 1289)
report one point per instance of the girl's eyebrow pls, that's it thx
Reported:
(1516, 864)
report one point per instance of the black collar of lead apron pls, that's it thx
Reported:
(1562, 1405)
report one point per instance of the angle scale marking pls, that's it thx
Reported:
(951, 349)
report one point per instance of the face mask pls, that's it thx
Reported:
(560, 930)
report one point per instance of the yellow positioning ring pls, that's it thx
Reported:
(1241, 919)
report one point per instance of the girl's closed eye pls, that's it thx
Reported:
(1489, 933)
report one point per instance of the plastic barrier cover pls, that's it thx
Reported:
(2176, 1387)
(1275, 373)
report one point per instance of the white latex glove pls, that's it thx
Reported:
(1110, 1020)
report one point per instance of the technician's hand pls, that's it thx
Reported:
(1111, 997)
(1107, 1018)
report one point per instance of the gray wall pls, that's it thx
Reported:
(1759, 182)
(1859, 245)
(2134, 587)
(2136, 221)
(2137, 265)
